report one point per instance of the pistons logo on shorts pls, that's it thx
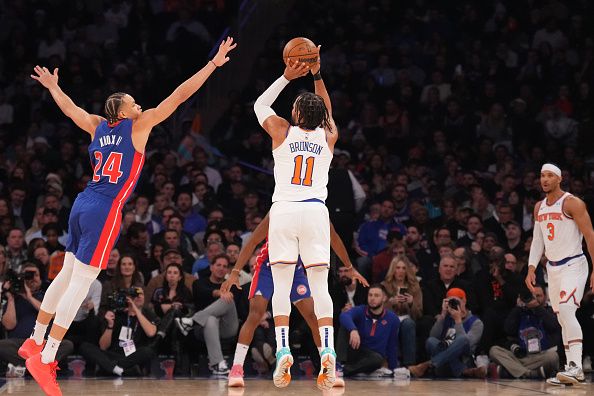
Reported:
(301, 290)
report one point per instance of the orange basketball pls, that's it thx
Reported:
(300, 49)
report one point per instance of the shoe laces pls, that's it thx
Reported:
(53, 366)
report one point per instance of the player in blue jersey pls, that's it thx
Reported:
(262, 289)
(117, 155)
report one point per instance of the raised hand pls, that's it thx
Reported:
(46, 78)
(316, 66)
(221, 57)
(232, 280)
(295, 70)
(357, 277)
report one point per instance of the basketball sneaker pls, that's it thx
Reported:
(282, 373)
(555, 382)
(219, 369)
(235, 378)
(44, 374)
(572, 375)
(339, 376)
(184, 325)
(30, 348)
(327, 376)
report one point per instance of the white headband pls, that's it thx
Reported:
(551, 168)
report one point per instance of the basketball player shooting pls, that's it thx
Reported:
(561, 221)
(299, 222)
(117, 155)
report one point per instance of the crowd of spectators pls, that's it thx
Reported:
(446, 112)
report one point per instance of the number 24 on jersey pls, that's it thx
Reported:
(109, 169)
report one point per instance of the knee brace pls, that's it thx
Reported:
(318, 284)
(59, 285)
(569, 324)
(282, 277)
(78, 288)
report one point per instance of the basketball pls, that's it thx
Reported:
(300, 49)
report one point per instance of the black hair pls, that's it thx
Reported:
(311, 111)
(379, 286)
(112, 106)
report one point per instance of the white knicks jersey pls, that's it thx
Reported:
(561, 235)
(301, 165)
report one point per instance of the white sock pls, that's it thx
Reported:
(240, 353)
(39, 333)
(117, 370)
(327, 336)
(575, 353)
(48, 354)
(282, 337)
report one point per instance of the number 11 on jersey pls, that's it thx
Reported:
(309, 165)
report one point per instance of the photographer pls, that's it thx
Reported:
(23, 295)
(125, 338)
(535, 332)
(452, 341)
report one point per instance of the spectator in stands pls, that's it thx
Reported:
(381, 261)
(16, 254)
(126, 275)
(345, 293)
(169, 256)
(86, 323)
(135, 244)
(125, 338)
(534, 333)
(193, 221)
(368, 336)
(18, 318)
(474, 225)
(513, 238)
(216, 316)
(373, 236)
(498, 223)
(454, 338)
(202, 263)
(406, 301)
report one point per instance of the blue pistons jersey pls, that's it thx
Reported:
(96, 216)
(262, 284)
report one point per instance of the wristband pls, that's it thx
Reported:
(215, 65)
(317, 76)
(235, 270)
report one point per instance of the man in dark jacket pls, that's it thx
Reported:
(534, 333)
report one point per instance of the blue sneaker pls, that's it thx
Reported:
(282, 373)
(327, 376)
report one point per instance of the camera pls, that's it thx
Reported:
(17, 281)
(454, 303)
(117, 301)
(517, 351)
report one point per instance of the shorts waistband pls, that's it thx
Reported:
(564, 261)
(313, 200)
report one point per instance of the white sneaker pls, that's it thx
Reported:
(555, 382)
(587, 364)
(184, 325)
(382, 372)
(327, 375)
(15, 371)
(220, 369)
(282, 372)
(572, 375)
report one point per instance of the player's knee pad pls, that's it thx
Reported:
(80, 282)
(318, 284)
(570, 325)
(282, 275)
(59, 285)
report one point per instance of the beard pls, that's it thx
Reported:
(345, 281)
(374, 307)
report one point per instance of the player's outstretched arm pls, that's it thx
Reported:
(274, 125)
(337, 245)
(152, 117)
(576, 208)
(85, 121)
(320, 89)
(258, 235)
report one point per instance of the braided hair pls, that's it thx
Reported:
(311, 111)
(112, 106)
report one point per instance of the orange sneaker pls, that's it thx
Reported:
(44, 374)
(30, 348)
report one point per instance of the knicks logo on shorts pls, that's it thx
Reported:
(301, 290)
(562, 294)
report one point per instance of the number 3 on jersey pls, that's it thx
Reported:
(551, 228)
(309, 164)
(110, 169)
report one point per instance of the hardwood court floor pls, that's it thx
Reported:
(208, 387)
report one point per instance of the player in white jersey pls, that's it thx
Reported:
(561, 221)
(299, 222)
